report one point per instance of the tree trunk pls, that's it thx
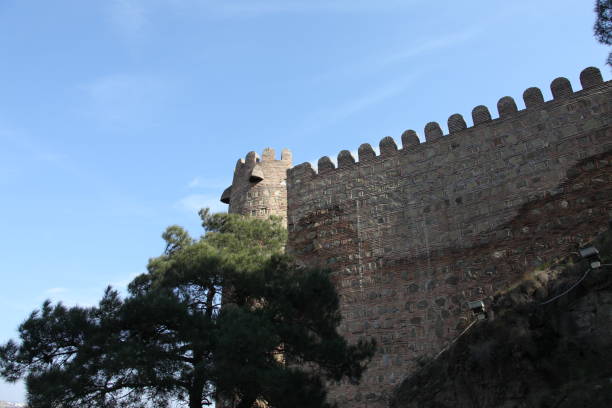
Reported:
(196, 390)
(195, 397)
(246, 402)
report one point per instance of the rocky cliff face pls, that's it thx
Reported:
(527, 354)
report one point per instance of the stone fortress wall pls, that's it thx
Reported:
(413, 234)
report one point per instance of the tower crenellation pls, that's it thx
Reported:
(259, 186)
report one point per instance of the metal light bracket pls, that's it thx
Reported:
(591, 254)
(478, 308)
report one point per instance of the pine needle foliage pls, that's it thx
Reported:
(227, 318)
(603, 24)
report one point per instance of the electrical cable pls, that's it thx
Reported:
(568, 290)
(453, 341)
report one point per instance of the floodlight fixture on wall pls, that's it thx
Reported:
(591, 254)
(478, 308)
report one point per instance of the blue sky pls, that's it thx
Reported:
(121, 117)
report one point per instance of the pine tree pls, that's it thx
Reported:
(273, 341)
(603, 24)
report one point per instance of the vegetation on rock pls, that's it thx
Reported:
(530, 354)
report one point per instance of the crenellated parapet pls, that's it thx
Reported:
(259, 186)
(507, 109)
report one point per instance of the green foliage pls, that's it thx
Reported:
(245, 242)
(274, 339)
(603, 24)
(76, 357)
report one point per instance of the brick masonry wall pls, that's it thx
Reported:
(413, 234)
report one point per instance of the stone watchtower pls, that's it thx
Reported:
(259, 188)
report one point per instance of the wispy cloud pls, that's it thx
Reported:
(133, 17)
(132, 100)
(196, 182)
(194, 202)
(35, 150)
(87, 296)
(330, 115)
(55, 291)
(445, 41)
(22, 155)
(115, 203)
(129, 16)
(84, 297)
(122, 283)
(263, 7)
(376, 63)
(208, 183)
(374, 97)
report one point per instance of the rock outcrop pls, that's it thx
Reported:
(529, 354)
